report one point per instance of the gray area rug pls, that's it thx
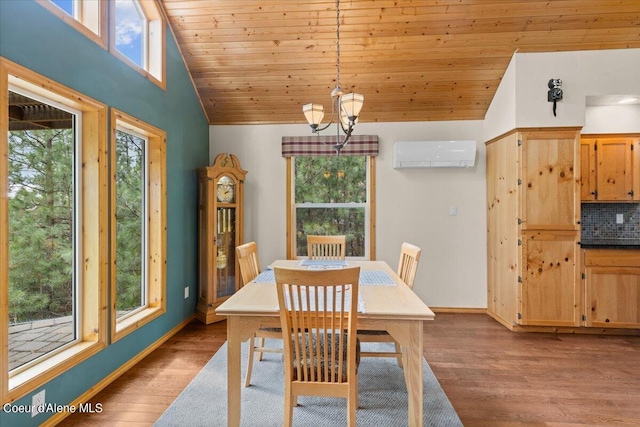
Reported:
(382, 397)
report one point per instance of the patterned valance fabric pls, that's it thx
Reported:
(359, 145)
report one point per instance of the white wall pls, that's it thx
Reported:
(501, 114)
(412, 204)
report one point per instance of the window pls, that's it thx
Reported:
(138, 36)
(87, 16)
(138, 221)
(332, 195)
(53, 275)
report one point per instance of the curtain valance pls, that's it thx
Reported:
(359, 145)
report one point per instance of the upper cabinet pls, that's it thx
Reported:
(549, 181)
(610, 168)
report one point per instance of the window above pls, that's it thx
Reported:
(87, 16)
(138, 36)
(136, 33)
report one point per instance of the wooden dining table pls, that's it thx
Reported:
(391, 307)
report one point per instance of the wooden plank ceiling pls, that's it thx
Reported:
(259, 61)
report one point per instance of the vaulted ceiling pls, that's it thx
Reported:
(258, 61)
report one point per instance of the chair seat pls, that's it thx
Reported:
(318, 363)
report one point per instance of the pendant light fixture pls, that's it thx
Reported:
(345, 106)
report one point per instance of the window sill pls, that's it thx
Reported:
(33, 377)
(130, 324)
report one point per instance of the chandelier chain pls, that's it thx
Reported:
(337, 43)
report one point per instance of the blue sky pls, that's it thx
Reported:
(129, 27)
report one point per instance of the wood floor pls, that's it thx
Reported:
(492, 376)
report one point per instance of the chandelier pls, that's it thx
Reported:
(345, 106)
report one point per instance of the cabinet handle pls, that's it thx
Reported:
(630, 193)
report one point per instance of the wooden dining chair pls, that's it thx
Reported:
(407, 266)
(326, 247)
(247, 255)
(318, 315)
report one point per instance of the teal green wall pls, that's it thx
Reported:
(33, 37)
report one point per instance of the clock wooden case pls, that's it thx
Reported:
(220, 224)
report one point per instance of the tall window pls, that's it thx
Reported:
(331, 199)
(138, 36)
(138, 221)
(329, 194)
(87, 16)
(131, 209)
(43, 223)
(52, 224)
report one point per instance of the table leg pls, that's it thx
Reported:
(413, 373)
(233, 371)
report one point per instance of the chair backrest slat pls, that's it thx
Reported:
(326, 247)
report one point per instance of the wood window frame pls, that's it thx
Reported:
(93, 239)
(155, 36)
(156, 244)
(91, 20)
(291, 207)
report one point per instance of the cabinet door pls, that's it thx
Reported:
(550, 291)
(587, 169)
(635, 144)
(614, 173)
(550, 193)
(613, 297)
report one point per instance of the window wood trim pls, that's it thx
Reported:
(157, 217)
(93, 21)
(93, 335)
(156, 46)
(291, 206)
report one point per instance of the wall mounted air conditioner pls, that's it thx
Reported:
(434, 154)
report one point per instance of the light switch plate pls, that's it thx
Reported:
(186, 292)
(453, 210)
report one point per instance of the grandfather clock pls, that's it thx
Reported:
(220, 224)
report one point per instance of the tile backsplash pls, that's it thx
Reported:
(599, 221)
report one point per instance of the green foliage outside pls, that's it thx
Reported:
(334, 179)
(41, 224)
(129, 174)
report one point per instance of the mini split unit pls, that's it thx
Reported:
(434, 154)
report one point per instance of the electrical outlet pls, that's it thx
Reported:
(37, 403)
(453, 210)
(619, 218)
(186, 292)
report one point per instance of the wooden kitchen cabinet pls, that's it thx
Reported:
(612, 288)
(610, 168)
(533, 216)
(550, 286)
(588, 169)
